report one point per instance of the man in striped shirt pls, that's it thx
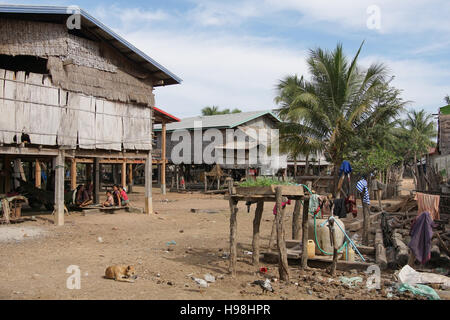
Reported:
(361, 186)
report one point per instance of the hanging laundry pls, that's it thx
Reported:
(283, 205)
(339, 208)
(361, 186)
(428, 203)
(421, 234)
(314, 204)
(350, 205)
(345, 168)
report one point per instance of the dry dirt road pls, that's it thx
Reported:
(35, 255)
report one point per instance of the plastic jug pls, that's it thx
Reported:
(351, 254)
(311, 249)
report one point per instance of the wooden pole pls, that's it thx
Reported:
(283, 267)
(73, 174)
(59, 188)
(256, 225)
(148, 184)
(6, 210)
(233, 230)
(366, 221)
(123, 173)
(379, 195)
(37, 174)
(206, 182)
(130, 177)
(305, 217)
(163, 158)
(96, 180)
(296, 220)
(8, 175)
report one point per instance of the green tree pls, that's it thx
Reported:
(334, 106)
(447, 99)
(418, 131)
(214, 110)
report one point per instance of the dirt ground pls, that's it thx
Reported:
(35, 257)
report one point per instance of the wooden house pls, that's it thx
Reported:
(73, 95)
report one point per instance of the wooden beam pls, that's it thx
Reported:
(28, 151)
(148, 184)
(73, 174)
(304, 262)
(124, 173)
(97, 180)
(59, 188)
(256, 225)
(283, 267)
(163, 158)
(37, 174)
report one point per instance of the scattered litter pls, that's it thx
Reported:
(408, 275)
(200, 282)
(420, 289)
(158, 275)
(170, 243)
(209, 278)
(351, 282)
(99, 239)
(249, 253)
(263, 270)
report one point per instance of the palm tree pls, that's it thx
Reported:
(214, 110)
(420, 130)
(327, 111)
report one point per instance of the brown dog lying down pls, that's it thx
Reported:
(121, 273)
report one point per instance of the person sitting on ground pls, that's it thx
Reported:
(123, 195)
(109, 200)
(116, 195)
(82, 198)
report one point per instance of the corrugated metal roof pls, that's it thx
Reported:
(231, 120)
(60, 14)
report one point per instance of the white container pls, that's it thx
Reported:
(323, 234)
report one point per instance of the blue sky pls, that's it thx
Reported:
(232, 53)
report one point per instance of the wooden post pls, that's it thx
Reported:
(366, 221)
(233, 229)
(130, 177)
(379, 195)
(123, 173)
(8, 174)
(296, 220)
(206, 182)
(96, 180)
(273, 232)
(177, 178)
(6, 210)
(283, 267)
(73, 174)
(305, 217)
(59, 188)
(256, 225)
(148, 184)
(163, 158)
(37, 174)
(89, 172)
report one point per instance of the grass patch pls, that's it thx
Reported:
(264, 182)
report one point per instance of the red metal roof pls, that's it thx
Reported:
(164, 114)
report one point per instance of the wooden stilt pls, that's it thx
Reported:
(73, 174)
(305, 217)
(256, 225)
(233, 230)
(59, 188)
(123, 173)
(148, 184)
(283, 267)
(96, 180)
(163, 158)
(273, 233)
(37, 174)
(296, 220)
(366, 222)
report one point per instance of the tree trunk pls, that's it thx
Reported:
(307, 165)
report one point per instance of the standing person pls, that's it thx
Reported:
(116, 195)
(123, 195)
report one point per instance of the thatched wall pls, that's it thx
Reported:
(53, 116)
(92, 68)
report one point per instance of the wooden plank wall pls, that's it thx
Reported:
(53, 116)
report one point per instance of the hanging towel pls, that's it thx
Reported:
(421, 234)
(361, 186)
(428, 203)
(313, 204)
(339, 208)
